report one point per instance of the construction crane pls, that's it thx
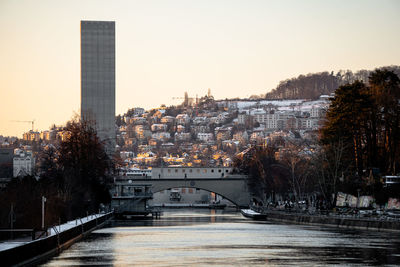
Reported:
(32, 122)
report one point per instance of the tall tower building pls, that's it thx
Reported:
(98, 78)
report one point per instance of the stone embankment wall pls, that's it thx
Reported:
(342, 222)
(41, 249)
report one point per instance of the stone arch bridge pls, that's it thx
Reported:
(234, 188)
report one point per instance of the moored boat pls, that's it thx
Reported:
(249, 213)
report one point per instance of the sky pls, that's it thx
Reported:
(167, 47)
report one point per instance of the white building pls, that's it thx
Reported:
(182, 119)
(180, 128)
(205, 137)
(200, 120)
(138, 120)
(138, 111)
(167, 119)
(159, 127)
(23, 163)
(162, 136)
(242, 118)
(182, 136)
(259, 115)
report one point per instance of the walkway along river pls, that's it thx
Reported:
(199, 237)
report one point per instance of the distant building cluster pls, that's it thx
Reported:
(47, 136)
(19, 157)
(207, 133)
(210, 133)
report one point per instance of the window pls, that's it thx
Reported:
(198, 170)
(226, 170)
(176, 170)
(219, 170)
(190, 190)
(169, 170)
(190, 170)
(205, 170)
(183, 190)
(183, 170)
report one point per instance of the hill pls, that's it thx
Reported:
(312, 85)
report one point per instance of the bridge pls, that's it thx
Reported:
(220, 180)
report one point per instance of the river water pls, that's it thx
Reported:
(222, 238)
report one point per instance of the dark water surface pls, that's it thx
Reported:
(221, 238)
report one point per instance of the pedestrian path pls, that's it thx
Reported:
(11, 243)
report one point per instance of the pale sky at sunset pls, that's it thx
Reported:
(164, 48)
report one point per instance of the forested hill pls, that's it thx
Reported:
(312, 85)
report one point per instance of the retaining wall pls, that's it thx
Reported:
(39, 250)
(343, 222)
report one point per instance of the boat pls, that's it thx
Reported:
(249, 213)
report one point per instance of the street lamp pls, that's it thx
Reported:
(43, 201)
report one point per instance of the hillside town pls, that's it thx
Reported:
(201, 132)
(204, 132)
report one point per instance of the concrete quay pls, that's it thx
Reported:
(60, 237)
(334, 221)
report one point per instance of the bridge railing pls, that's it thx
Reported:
(189, 177)
(146, 194)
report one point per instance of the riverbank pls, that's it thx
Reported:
(190, 205)
(334, 221)
(60, 237)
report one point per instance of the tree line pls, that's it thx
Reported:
(312, 85)
(358, 145)
(74, 175)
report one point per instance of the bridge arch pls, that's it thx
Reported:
(233, 189)
(208, 190)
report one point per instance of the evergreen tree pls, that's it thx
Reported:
(346, 122)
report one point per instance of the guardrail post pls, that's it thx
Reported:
(80, 219)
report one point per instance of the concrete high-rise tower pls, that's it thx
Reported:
(98, 78)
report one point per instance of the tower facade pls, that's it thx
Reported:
(98, 78)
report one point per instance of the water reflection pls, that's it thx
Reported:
(186, 238)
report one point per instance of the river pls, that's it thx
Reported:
(223, 238)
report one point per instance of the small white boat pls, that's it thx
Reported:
(248, 213)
